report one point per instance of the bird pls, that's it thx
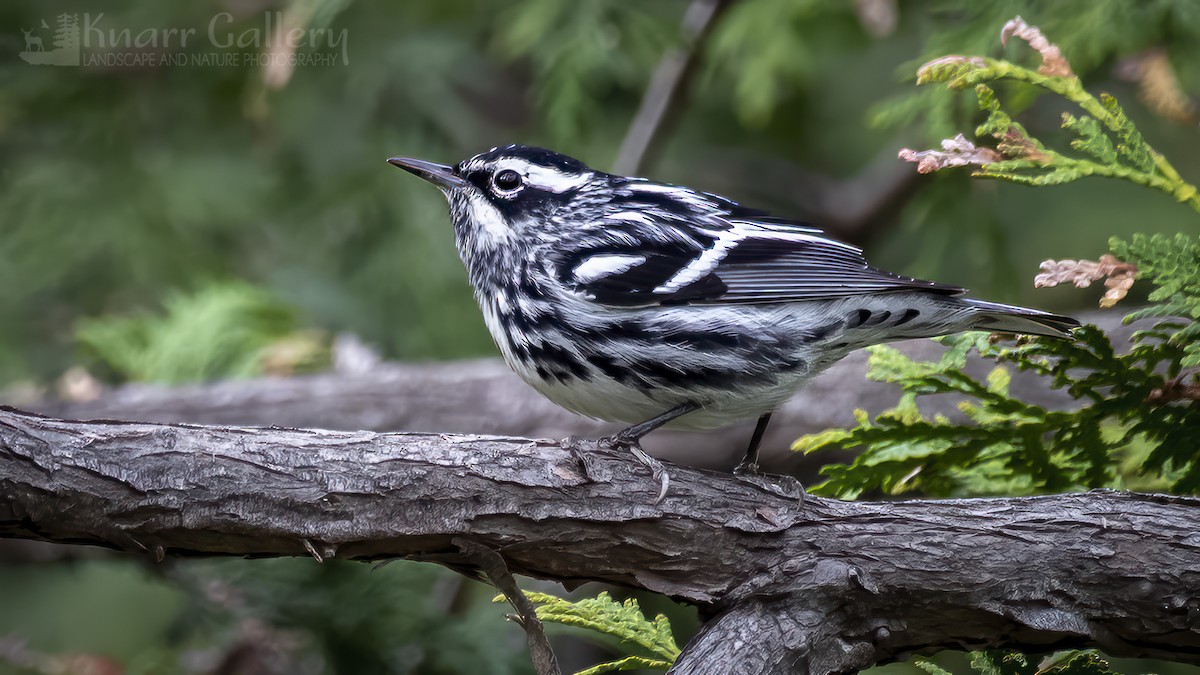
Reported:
(650, 304)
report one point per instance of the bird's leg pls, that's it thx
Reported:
(749, 463)
(747, 470)
(630, 438)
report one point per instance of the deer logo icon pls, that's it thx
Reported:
(65, 44)
(32, 41)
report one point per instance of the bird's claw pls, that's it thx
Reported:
(580, 450)
(746, 469)
(657, 470)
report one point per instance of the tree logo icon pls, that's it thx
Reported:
(66, 44)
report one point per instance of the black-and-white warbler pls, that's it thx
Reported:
(639, 302)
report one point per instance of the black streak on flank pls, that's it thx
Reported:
(821, 332)
(519, 350)
(608, 366)
(526, 323)
(719, 378)
(909, 315)
(793, 364)
(709, 341)
(558, 358)
(621, 374)
(877, 319)
(635, 331)
(857, 318)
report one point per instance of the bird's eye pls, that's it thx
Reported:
(507, 180)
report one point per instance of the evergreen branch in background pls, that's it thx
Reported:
(621, 620)
(1075, 662)
(1118, 437)
(223, 330)
(1135, 420)
(668, 86)
(1107, 140)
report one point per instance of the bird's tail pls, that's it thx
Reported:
(994, 316)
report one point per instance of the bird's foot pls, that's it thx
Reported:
(784, 486)
(746, 468)
(581, 450)
(657, 470)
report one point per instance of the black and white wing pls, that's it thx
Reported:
(729, 256)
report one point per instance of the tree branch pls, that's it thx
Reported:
(821, 586)
(492, 565)
(668, 85)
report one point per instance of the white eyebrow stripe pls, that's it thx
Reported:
(604, 265)
(545, 177)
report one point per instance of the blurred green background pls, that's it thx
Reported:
(168, 218)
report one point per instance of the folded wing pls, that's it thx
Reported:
(642, 261)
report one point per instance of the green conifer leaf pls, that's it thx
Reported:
(622, 620)
(820, 440)
(998, 381)
(931, 667)
(1084, 662)
(219, 331)
(1132, 147)
(1092, 138)
(1001, 663)
(627, 663)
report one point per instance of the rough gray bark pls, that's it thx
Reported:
(816, 587)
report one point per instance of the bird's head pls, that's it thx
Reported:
(511, 193)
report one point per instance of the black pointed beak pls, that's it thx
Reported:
(438, 174)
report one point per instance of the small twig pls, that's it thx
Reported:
(1176, 390)
(1053, 62)
(852, 208)
(1159, 86)
(1055, 75)
(15, 651)
(1118, 276)
(493, 566)
(312, 550)
(957, 151)
(667, 85)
